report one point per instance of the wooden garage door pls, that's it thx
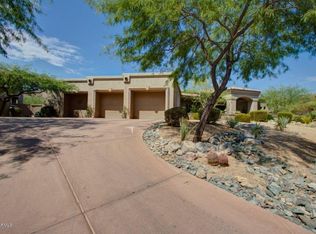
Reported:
(148, 105)
(110, 105)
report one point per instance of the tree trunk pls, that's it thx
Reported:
(203, 121)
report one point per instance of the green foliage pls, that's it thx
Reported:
(259, 116)
(287, 115)
(284, 98)
(191, 36)
(89, 112)
(47, 111)
(242, 118)
(33, 100)
(18, 20)
(184, 128)
(307, 119)
(232, 123)
(173, 116)
(15, 81)
(313, 115)
(304, 107)
(213, 116)
(297, 118)
(124, 112)
(281, 123)
(194, 115)
(270, 117)
(257, 131)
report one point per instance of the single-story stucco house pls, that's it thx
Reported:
(141, 96)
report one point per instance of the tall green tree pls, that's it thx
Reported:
(285, 98)
(16, 81)
(17, 19)
(212, 39)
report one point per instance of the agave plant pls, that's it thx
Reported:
(257, 131)
(232, 123)
(281, 123)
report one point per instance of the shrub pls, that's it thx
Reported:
(15, 111)
(124, 112)
(232, 123)
(89, 112)
(242, 118)
(173, 116)
(46, 111)
(298, 118)
(281, 123)
(259, 116)
(287, 115)
(270, 117)
(313, 115)
(257, 131)
(306, 119)
(194, 115)
(184, 128)
(214, 115)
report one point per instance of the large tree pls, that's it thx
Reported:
(18, 20)
(16, 81)
(212, 39)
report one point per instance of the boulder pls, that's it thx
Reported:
(223, 160)
(201, 173)
(274, 188)
(212, 158)
(203, 147)
(188, 146)
(173, 146)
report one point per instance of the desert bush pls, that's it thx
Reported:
(173, 116)
(184, 128)
(270, 117)
(214, 115)
(287, 115)
(297, 118)
(259, 116)
(242, 118)
(232, 123)
(194, 115)
(33, 100)
(313, 115)
(89, 112)
(306, 119)
(46, 111)
(257, 131)
(281, 123)
(304, 108)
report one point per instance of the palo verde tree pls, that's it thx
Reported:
(16, 81)
(212, 39)
(17, 21)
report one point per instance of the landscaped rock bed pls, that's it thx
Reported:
(254, 174)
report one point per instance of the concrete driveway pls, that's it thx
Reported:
(97, 176)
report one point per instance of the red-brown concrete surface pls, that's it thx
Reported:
(97, 176)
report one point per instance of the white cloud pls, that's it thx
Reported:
(59, 53)
(311, 78)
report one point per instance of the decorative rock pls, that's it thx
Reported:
(203, 147)
(274, 188)
(190, 156)
(188, 146)
(312, 186)
(212, 158)
(223, 160)
(298, 210)
(201, 173)
(288, 213)
(313, 214)
(309, 222)
(244, 182)
(179, 152)
(173, 146)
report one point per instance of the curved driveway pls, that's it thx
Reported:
(97, 176)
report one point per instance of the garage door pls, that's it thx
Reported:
(76, 101)
(110, 105)
(148, 105)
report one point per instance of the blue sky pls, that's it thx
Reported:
(76, 34)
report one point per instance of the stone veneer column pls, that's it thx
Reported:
(254, 105)
(231, 105)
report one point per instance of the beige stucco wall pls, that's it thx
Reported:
(138, 81)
